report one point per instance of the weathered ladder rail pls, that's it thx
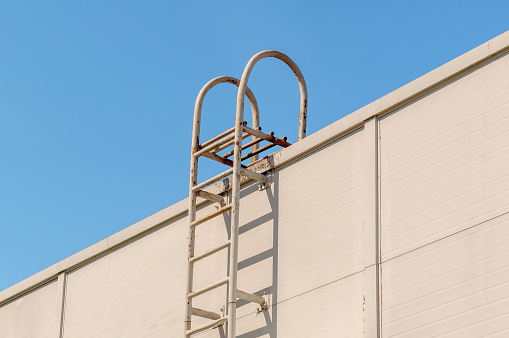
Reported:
(209, 149)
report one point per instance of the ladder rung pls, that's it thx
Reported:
(214, 145)
(255, 176)
(257, 151)
(266, 137)
(218, 158)
(212, 215)
(213, 180)
(205, 314)
(245, 146)
(229, 143)
(220, 136)
(210, 252)
(250, 297)
(209, 196)
(208, 288)
(207, 326)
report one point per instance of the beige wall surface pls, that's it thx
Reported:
(32, 316)
(132, 291)
(444, 160)
(456, 287)
(301, 241)
(391, 222)
(444, 205)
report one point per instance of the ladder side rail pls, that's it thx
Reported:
(194, 176)
(232, 291)
(234, 226)
(191, 240)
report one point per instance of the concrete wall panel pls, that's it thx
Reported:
(299, 239)
(321, 201)
(455, 287)
(33, 315)
(302, 233)
(333, 310)
(135, 291)
(444, 160)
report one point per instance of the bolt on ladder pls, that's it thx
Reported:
(210, 149)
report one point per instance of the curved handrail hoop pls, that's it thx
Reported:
(201, 96)
(197, 114)
(300, 78)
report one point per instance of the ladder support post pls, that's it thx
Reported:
(255, 176)
(209, 196)
(249, 297)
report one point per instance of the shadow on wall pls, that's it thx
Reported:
(270, 316)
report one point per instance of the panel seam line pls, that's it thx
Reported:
(445, 237)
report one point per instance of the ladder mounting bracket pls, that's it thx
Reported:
(265, 294)
(264, 186)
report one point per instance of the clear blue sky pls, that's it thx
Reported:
(97, 97)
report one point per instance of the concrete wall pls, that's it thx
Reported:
(33, 315)
(391, 222)
(444, 210)
(302, 241)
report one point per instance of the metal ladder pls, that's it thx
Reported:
(210, 149)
